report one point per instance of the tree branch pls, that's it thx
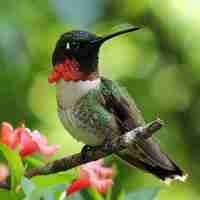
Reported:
(66, 163)
(69, 162)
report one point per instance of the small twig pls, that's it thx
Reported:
(69, 162)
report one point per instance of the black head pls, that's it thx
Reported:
(77, 45)
(83, 47)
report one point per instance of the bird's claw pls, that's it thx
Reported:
(84, 152)
(109, 147)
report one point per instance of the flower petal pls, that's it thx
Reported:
(48, 150)
(6, 132)
(42, 143)
(104, 172)
(17, 136)
(39, 138)
(27, 145)
(77, 185)
(29, 142)
(98, 175)
(102, 185)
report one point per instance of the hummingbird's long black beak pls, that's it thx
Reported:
(109, 36)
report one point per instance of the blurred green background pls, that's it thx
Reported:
(159, 65)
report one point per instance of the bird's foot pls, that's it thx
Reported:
(85, 150)
(109, 146)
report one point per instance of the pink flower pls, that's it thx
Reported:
(92, 174)
(29, 142)
(42, 143)
(4, 172)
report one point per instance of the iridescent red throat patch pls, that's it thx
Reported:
(69, 70)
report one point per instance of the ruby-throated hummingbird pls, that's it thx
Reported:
(96, 110)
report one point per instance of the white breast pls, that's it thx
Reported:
(68, 92)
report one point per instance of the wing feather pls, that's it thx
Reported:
(146, 154)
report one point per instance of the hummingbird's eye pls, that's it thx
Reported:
(72, 45)
(67, 45)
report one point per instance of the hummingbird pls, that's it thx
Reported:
(96, 110)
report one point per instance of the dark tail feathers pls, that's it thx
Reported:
(148, 157)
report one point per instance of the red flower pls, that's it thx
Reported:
(29, 142)
(92, 174)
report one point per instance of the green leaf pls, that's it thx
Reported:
(49, 193)
(121, 195)
(52, 179)
(35, 195)
(45, 187)
(34, 162)
(27, 186)
(49, 196)
(143, 194)
(15, 164)
(7, 195)
(109, 194)
(54, 191)
(94, 194)
(76, 196)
